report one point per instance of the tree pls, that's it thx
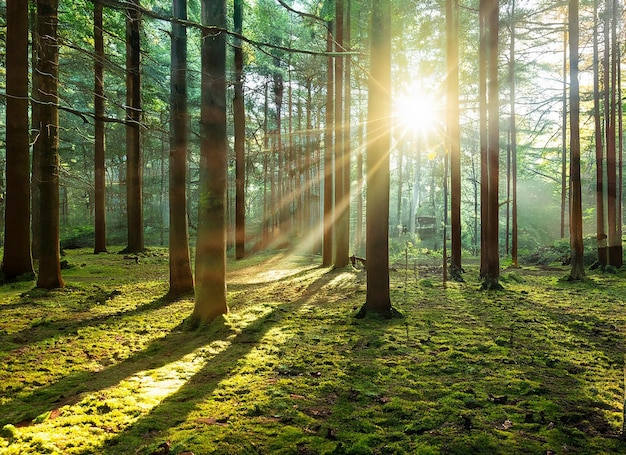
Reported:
(134, 204)
(328, 230)
(240, 139)
(48, 68)
(576, 214)
(211, 241)
(378, 147)
(342, 184)
(99, 132)
(600, 221)
(181, 278)
(513, 129)
(491, 271)
(454, 134)
(610, 112)
(17, 258)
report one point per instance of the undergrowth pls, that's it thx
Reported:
(108, 365)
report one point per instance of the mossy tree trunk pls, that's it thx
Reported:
(99, 133)
(240, 137)
(17, 258)
(576, 214)
(48, 69)
(181, 277)
(454, 134)
(378, 148)
(211, 242)
(134, 204)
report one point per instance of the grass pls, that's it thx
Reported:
(108, 366)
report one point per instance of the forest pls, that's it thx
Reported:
(312, 227)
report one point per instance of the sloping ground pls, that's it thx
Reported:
(106, 366)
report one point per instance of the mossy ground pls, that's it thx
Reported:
(108, 366)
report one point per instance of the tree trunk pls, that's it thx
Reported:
(378, 148)
(513, 168)
(327, 245)
(134, 205)
(48, 67)
(454, 135)
(564, 139)
(484, 139)
(614, 236)
(181, 278)
(342, 190)
(240, 137)
(576, 213)
(492, 257)
(35, 126)
(211, 242)
(17, 258)
(599, 149)
(99, 133)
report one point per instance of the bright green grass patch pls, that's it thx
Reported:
(107, 365)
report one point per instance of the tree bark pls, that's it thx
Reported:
(99, 133)
(48, 69)
(601, 242)
(35, 126)
(327, 245)
(576, 213)
(342, 192)
(454, 135)
(240, 137)
(17, 259)
(614, 236)
(211, 241)
(513, 169)
(134, 204)
(378, 148)
(181, 277)
(490, 269)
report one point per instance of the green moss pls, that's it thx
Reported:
(112, 367)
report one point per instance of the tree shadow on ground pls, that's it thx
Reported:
(175, 408)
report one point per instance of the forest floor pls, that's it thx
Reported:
(108, 366)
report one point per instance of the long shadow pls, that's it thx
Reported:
(68, 390)
(176, 407)
(43, 330)
(516, 323)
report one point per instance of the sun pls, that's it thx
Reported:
(416, 109)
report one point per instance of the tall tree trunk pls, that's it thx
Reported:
(48, 68)
(279, 89)
(359, 190)
(347, 148)
(512, 83)
(342, 192)
(17, 258)
(240, 137)
(614, 236)
(327, 245)
(378, 148)
(492, 256)
(100, 244)
(564, 138)
(181, 277)
(134, 205)
(484, 139)
(35, 127)
(599, 149)
(454, 134)
(211, 241)
(576, 213)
